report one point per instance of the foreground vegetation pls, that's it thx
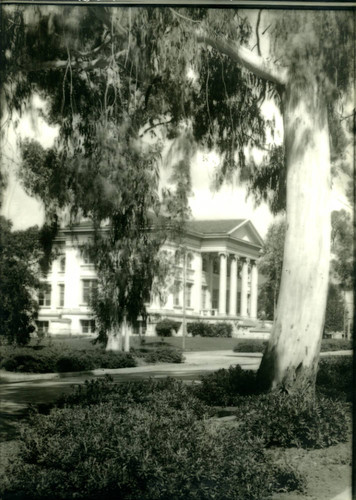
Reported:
(162, 439)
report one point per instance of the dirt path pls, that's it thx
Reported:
(328, 472)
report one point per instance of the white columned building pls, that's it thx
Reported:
(219, 285)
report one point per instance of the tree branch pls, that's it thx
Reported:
(244, 57)
(154, 126)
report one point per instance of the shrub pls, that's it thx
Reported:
(209, 330)
(251, 345)
(225, 387)
(164, 328)
(164, 355)
(61, 359)
(335, 377)
(222, 330)
(153, 449)
(29, 361)
(293, 420)
(199, 328)
(336, 345)
(138, 392)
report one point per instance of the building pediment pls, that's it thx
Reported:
(246, 231)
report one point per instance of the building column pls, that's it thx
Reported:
(198, 282)
(233, 285)
(254, 290)
(222, 283)
(244, 287)
(210, 282)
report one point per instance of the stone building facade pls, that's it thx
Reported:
(218, 265)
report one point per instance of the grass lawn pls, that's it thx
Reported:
(191, 343)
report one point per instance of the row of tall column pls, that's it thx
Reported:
(233, 286)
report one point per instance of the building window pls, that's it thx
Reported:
(44, 295)
(61, 295)
(176, 294)
(204, 291)
(216, 266)
(188, 295)
(87, 259)
(215, 304)
(89, 286)
(42, 327)
(62, 264)
(88, 325)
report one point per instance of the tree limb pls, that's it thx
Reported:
(244, 57)
(154, 126)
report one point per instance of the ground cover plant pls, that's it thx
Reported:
(147, 440)
(335, 377)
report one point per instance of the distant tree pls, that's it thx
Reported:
(270, 266)
(342, 248)
(335, 309)
(20, 254)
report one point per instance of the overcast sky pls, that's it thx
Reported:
(229, 202)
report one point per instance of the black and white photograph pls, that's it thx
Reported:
(177, 185)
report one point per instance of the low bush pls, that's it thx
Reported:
(225, 387)
(29, 360)
(156, 447)
(336, 345)
(164, 355)
(297, 420)
(61, 359)
(138, 392)
(335, 377)
(203, 329)
(251, 345)
(164, 328)
(277, 418)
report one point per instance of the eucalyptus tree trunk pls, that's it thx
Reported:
(126, 331)
(291, 358)
(114, 342)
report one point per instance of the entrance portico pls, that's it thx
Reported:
(230, 282)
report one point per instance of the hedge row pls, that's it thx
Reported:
(257, 345)
(62, 360)
(202, 329)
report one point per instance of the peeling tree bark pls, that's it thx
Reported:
(114, 342)
(291, 358)
(292, 354)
